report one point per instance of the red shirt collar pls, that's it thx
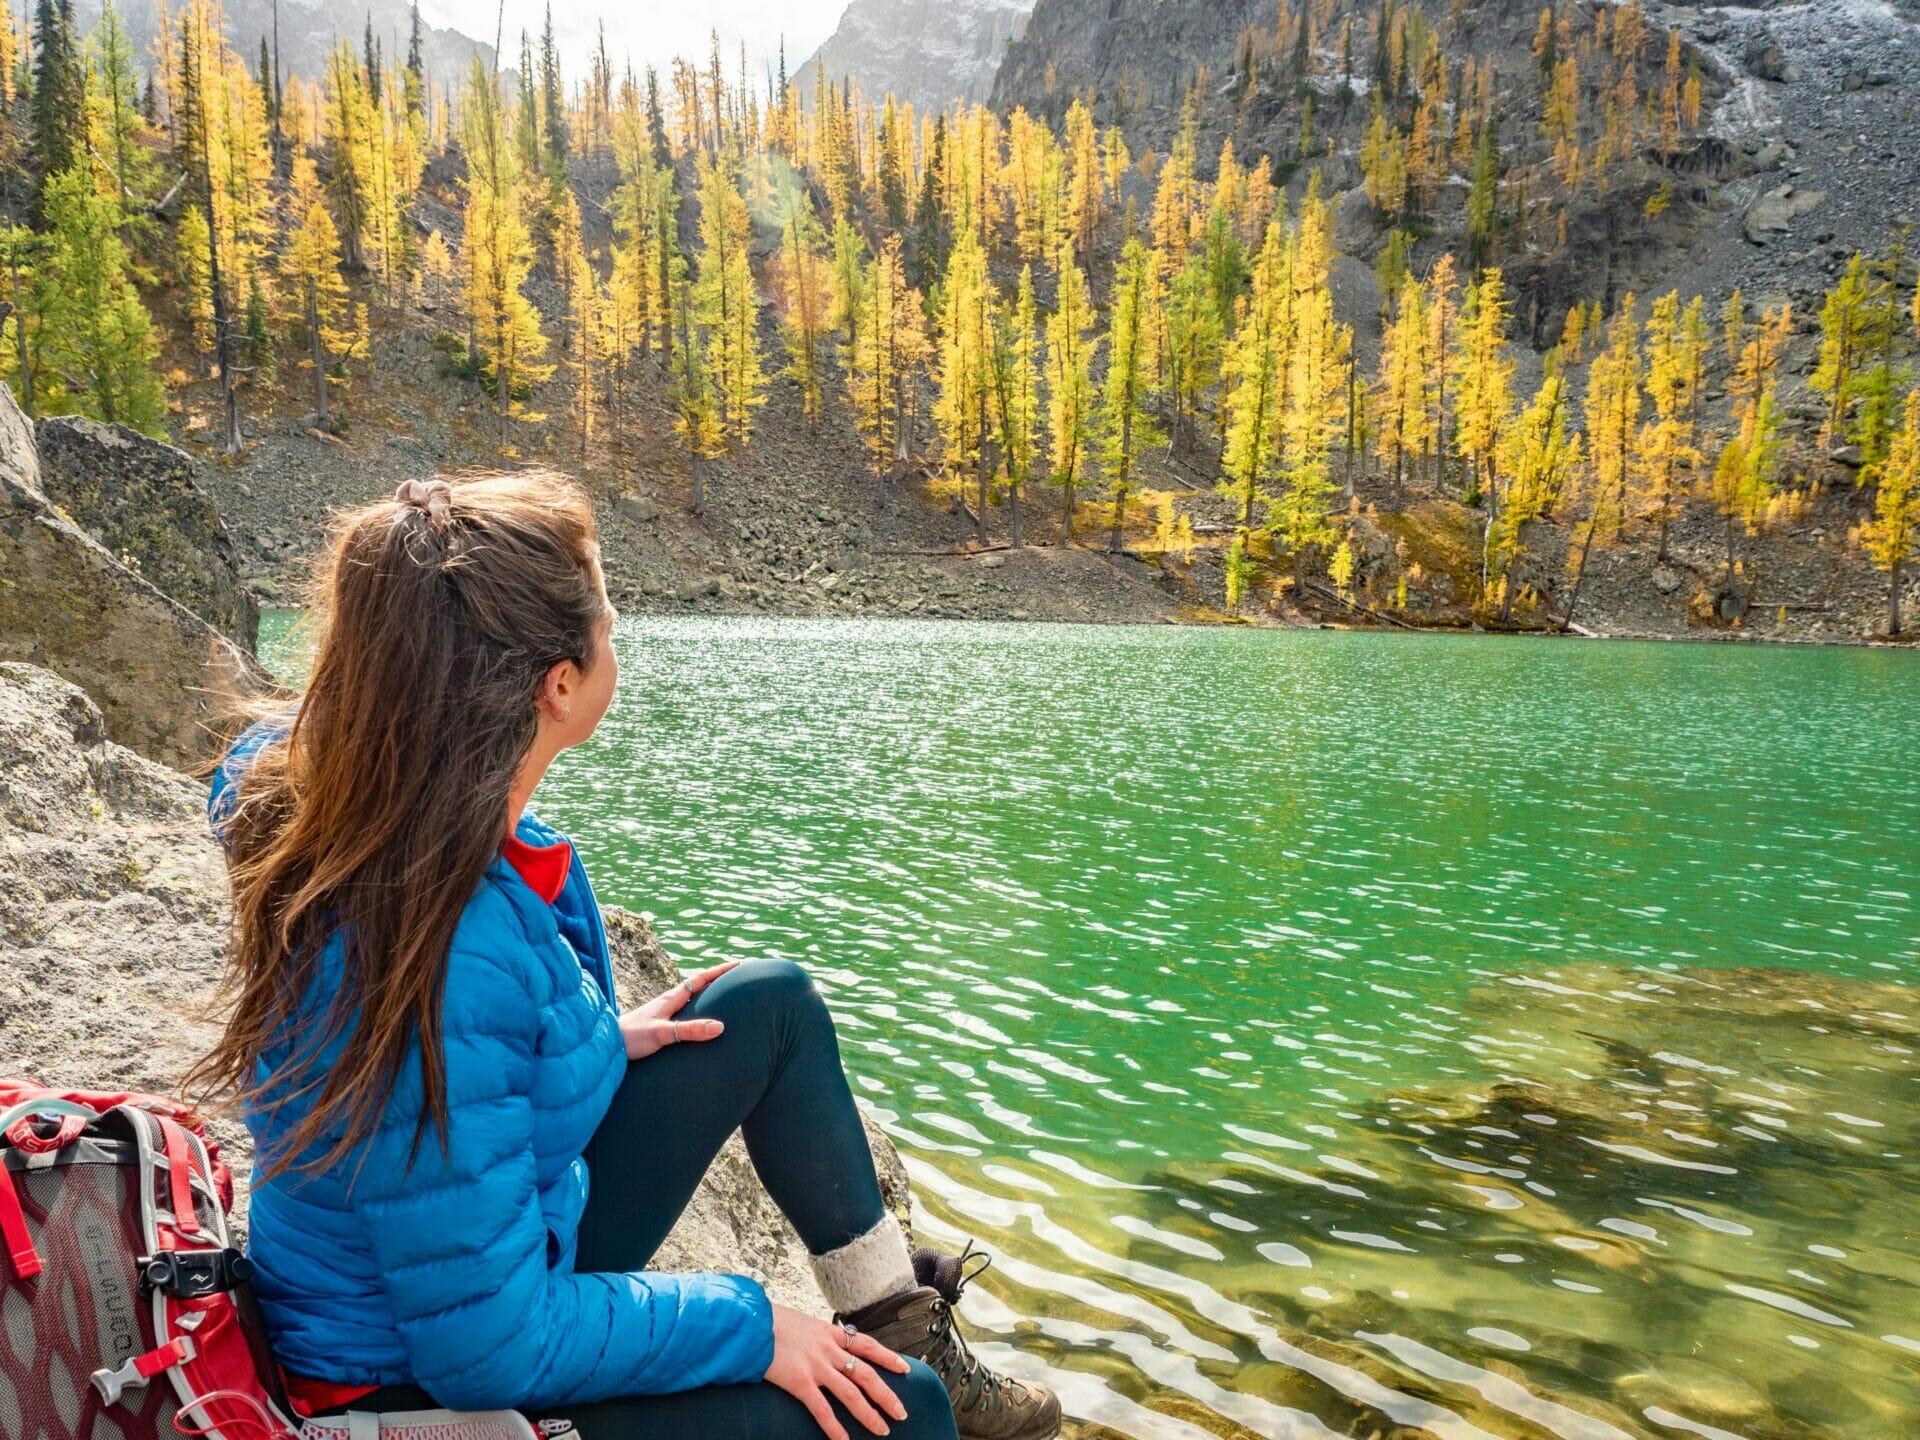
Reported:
(543, 867)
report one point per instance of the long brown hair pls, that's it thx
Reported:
(438, 615)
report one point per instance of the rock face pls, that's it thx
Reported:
(1071, 47)
(113, 905)
(925, 52)
(308, 30)
(139, 498)
(66, 603)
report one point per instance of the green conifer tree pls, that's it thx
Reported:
(99, 348)
(58, 113)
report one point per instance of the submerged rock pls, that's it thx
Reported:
(113, 911)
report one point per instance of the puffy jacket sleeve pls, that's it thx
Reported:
(223, 788)
(463, 1247)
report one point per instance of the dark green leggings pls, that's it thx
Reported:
(775, 1076)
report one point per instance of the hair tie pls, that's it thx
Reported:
(433, 496)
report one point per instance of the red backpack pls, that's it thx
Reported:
(138, 1320)
(125, 1311)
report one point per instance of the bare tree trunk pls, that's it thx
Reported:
(319, 357)
(1353, 405)
(1580, 575)
(1065, 538)
(1114, 544)
(1013, 499)
(223, 341)
(980, 462)
(1893, 599)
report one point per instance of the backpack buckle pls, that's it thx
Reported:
(141, 1368)
(194, 1274)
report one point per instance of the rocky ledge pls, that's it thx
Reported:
(72, 604)
(113, 907)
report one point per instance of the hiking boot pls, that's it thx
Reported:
(919, 1323)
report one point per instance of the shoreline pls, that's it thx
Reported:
(1909, 644)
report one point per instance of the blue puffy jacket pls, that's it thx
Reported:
(456, 1273)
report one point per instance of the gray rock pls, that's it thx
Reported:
(1356, 224)
(1865, 80)
(1666, 579)
(1764, 59)
(140, 499)
(113, 908)
(1776, 210)
(67, 604)
(638, 508)
(19, 452)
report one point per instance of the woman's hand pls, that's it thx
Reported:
(652, 1026)
(811, 1360)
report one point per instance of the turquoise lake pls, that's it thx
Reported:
(1336, 1034)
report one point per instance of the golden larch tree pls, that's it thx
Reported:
(1892, 537)
(1070, 391)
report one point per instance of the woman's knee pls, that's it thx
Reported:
(929, 1411)
(775, 993)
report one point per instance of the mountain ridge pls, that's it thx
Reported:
(924, 52)
(309, 32)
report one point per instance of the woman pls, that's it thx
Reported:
(424, 1037)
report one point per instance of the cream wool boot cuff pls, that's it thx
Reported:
(867, 1268)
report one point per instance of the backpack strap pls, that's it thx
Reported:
(13, 1220)
(179, 1162)
(13, 1230)
(44, 1105)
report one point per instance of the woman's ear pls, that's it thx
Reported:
(556, 690)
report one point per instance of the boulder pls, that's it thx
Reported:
(1858, 79)
(1765, 60)
(113, 909)
(1357, 225)
(66, 603)
(1776, 210)
(139, 498)
(638, 508)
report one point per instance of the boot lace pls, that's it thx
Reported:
(949, 1354)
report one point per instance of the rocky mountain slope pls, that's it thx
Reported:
(926, 52)
(1804, 156)
(798, 524)
(113, 905)
(1824, 100)
(310, 29)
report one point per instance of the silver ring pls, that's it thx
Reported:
(676, 1032)
(687, 985)
(849, 1366)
